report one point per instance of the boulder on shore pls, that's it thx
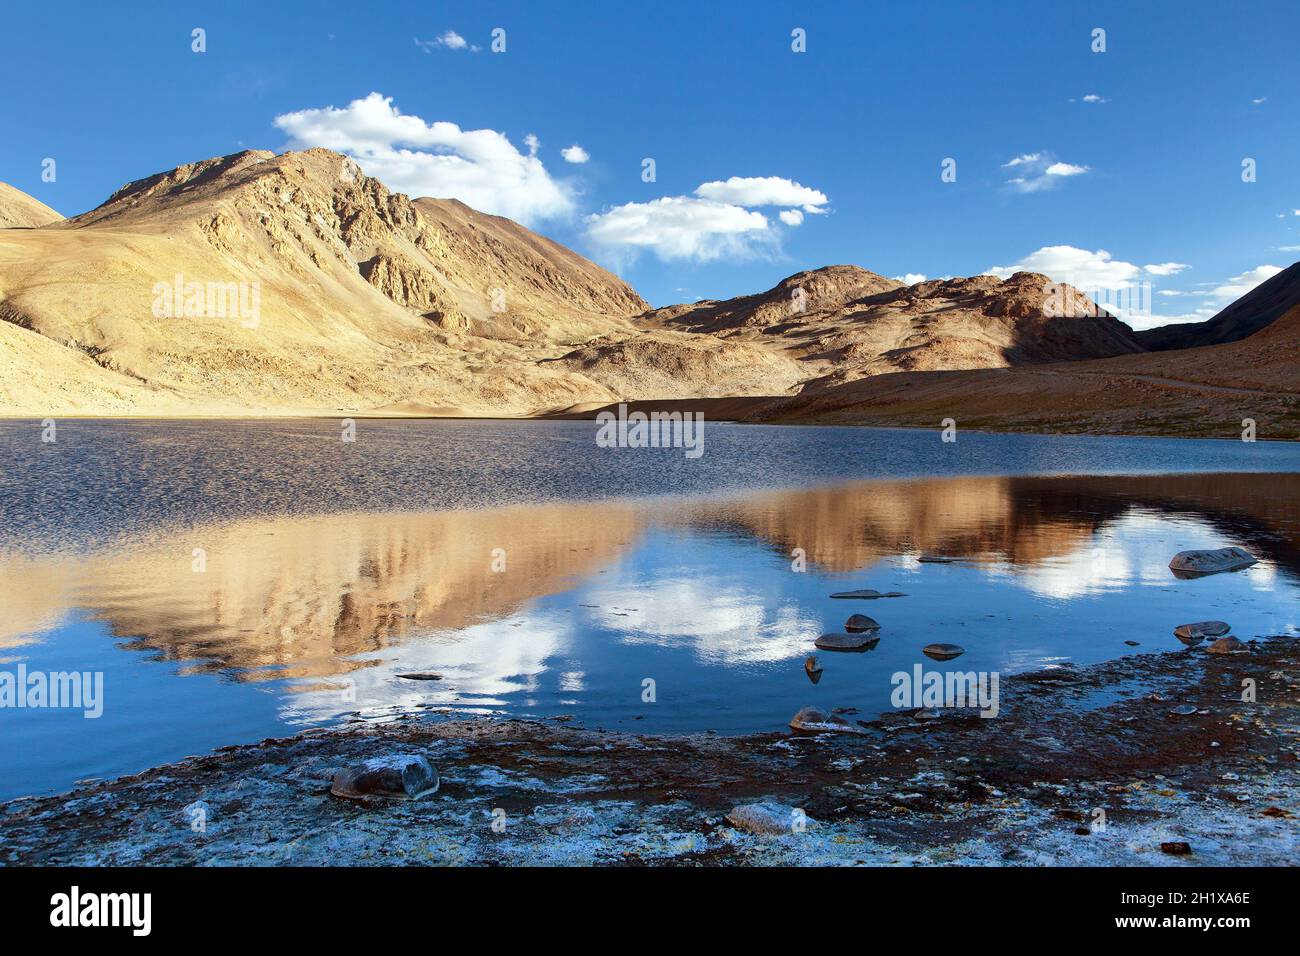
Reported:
(397, 776)
(1227, 645)
(766, 818)
(810, 718)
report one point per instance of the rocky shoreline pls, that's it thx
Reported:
(1099, 765)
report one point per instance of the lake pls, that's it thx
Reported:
(232, 581)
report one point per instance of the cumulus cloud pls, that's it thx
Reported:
(1078, 267)
(683, 227)
(718, 221)
(764, 191)
(479, 167)
(1090, 98)
(910, 278)
(1039, 171)
(575, 154)
(1166, 268)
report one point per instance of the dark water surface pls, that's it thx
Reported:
(542, 575)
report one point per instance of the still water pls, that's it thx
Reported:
(233, 581)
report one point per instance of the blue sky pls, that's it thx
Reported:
(847, 137)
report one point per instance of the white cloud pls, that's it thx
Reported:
(450, 40)
(1065, 169)
(1078, 267)
(764, 191)
(1039, 171)
(575, 154)
(911, 278)
(479, 167)
(683, 227)
(1238, 286)
(1166, 268)
(717, 222)
(1288, 248)
(1094, 98)
(1259, 100)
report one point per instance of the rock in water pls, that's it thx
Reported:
(1184, 710)
(810, 718)
(812, 668)
(1227, 645)
(766, 817)
(421, 675)
(935, 559)
(398, 776)
(943, 652)
(860, 622)
(848, 642)
(1176, 848)
(866, 594)
(1193, 634)
(1195, 564)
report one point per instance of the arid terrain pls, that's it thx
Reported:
(263, 284)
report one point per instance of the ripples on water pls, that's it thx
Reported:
(333, 568)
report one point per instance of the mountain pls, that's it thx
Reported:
(1252, 312)
(1209, 391)
(21, 211)
(842, 323)
(282, 284)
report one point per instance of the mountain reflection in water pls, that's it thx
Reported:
(325, 612)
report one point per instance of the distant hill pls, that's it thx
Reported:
(21, 211)
(843, 323)
(1252, 312)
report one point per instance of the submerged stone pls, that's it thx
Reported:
(866, 594)
(943, 652)
(848, 642)
(1195, 564)
(860, 622)
(397, 776)
(1184, 710)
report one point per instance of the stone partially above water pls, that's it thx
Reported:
(860, 622)
(1193, 634)
(848, 642)
(943, 652)
(1196, 564)
(935, 559)
(1227, 645)
(812, 668)
(812, 719)
(866, 594)
(394, 777)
